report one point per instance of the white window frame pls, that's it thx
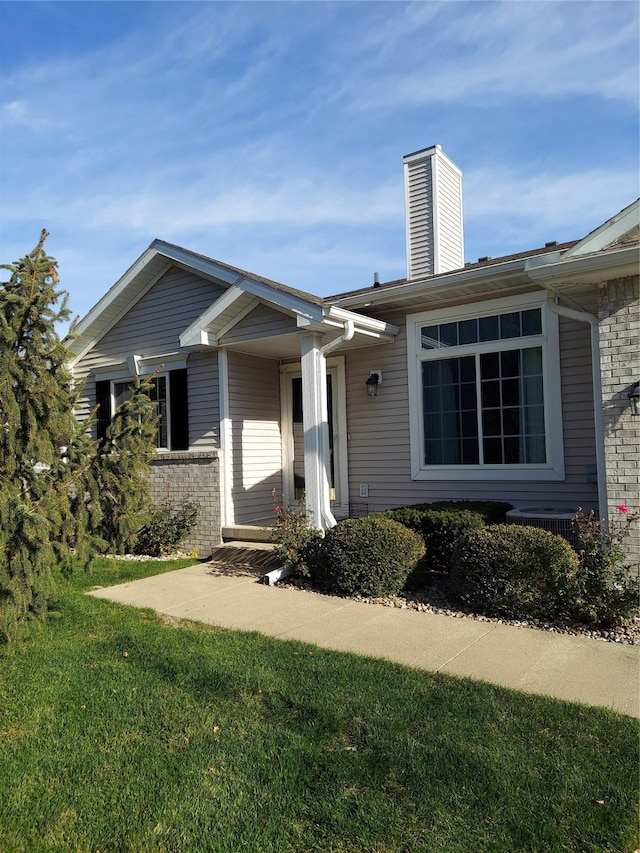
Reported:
(553, 468)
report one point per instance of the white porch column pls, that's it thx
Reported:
(316, 431)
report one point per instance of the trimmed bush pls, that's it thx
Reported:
(514, 571)
(493, 512)
(440, 529)
(367, 556)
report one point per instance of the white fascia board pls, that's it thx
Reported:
(592, 268)
(435, 284)
(363, 324)
(282, 300)
(115, 290)
(206, 266)
(92, 319)
(610, 231)
(136, 365)
(306, 313)
(158, 247)
(192, 335)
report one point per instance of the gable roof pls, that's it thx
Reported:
(610, 251)
(622, 228)
(243, 291)
(152, 264)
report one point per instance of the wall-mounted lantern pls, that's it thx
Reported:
(634, 399)
(375, 379)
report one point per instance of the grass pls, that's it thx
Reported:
(119, 732)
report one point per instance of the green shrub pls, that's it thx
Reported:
(607, 587)
(439, 529)
(294, 537)
(514, 571)
(166, 529)
(367, 556)
(493, 512)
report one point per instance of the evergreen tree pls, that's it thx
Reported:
(63, 495)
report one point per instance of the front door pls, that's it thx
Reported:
(293, 435)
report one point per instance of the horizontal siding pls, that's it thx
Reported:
(262, 322)
(155, 323)
(256, 456)
(204, 400)
(379, 441)
(153, 327)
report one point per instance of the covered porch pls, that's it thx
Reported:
(282, 400)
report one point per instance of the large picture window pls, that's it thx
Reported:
(484, 397)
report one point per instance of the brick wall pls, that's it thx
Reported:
(192, 476)
(619, 321)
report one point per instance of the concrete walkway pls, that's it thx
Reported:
(572, 668)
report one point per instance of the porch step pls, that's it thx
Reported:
(255, 557)
(246, 533)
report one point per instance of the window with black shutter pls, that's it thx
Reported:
(103, 402)
(169, 392)
(179, 409)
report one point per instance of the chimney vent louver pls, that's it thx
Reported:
(433, 212)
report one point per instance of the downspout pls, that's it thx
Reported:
(349, 331)
(585, 317)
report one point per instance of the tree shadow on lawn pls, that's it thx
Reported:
(466, 759)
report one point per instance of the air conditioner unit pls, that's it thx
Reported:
(553, 518)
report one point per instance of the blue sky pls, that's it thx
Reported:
(270, 135)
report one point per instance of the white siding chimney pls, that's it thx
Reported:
(433, 211)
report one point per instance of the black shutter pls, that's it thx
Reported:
(179, 402)
(103, 402)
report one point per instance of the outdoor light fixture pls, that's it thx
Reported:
(634, 399)
(375, 378)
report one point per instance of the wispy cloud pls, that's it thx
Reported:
(272, 133)
(466, 51)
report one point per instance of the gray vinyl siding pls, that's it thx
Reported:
(262, 322)
(154, 324)
(152, 327)
(204, 403)
(379, 439)
(254, 412)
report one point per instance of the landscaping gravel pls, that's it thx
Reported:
(436, 598)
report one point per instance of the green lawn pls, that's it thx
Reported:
(121, 733)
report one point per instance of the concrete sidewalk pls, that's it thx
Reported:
(572, 668)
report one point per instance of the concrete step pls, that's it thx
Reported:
(246, 533)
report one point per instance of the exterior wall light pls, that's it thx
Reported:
(634, 399)
(375, 379)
